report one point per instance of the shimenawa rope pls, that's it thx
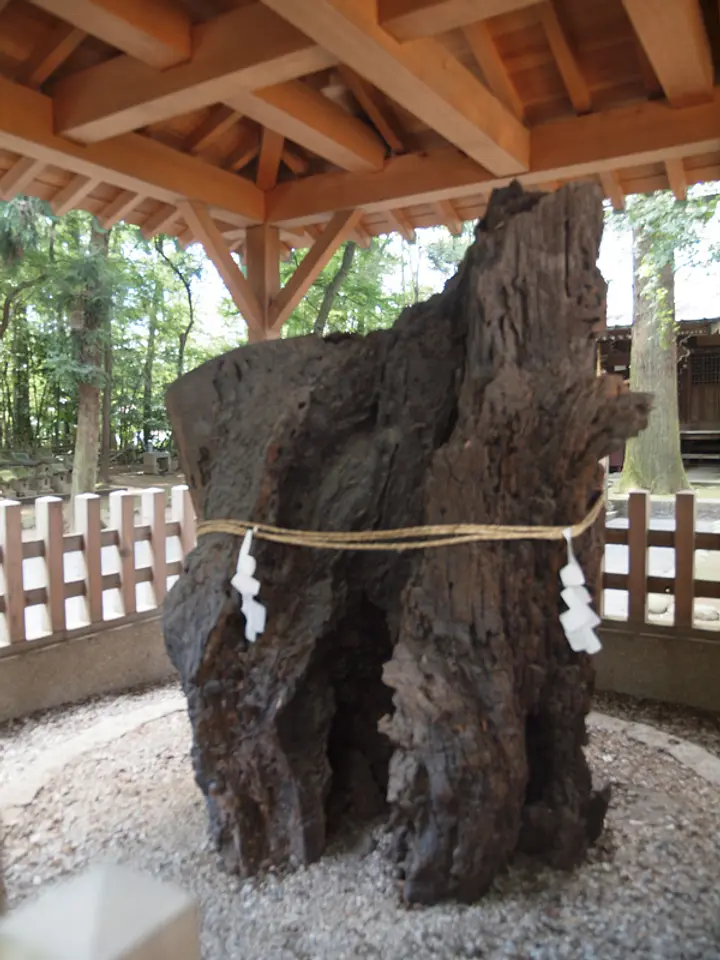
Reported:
(407, 538)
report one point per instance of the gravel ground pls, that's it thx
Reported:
(649, 889)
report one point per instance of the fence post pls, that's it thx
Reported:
(86, 521)
(685, 511)
(122, 519)
(183, 513)
(152, 505)
(108, 911)
(11, 543)
(51, 528)
(638, 523)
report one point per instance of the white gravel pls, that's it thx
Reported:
(649, 890)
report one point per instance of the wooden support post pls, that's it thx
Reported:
(50, 528)
(638, 523)
(152, 504)
(108, 911)
(122, 506)
(11, 544)
(184, 514)
(86, 521)
(262, 258)
(684, 559)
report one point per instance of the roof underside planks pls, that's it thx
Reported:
(411, 111)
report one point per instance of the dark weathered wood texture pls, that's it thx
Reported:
(436, 686)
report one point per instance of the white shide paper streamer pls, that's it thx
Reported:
(579, 620)
(248, 587)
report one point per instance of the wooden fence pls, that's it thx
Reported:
(55, 583)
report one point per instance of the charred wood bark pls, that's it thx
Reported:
(435, 686)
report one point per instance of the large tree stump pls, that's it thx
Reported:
(437, 686)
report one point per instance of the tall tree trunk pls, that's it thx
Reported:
(148, 366)
(87, 434)
(653, 460)
(331, 290)
(107, 406)
(22, 423)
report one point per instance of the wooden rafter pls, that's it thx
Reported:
(50, 54)
(449, 216)
(613, 189)
(293, 161)
(271, 149)
(303, 115)
(218, 121)
(246, 49)
(409, 19)
(120, 208)
(336, 232)
(361, 235)
(493, 67)
(244, 151)
(19, 176)
(421, 76)
(186, 238)
(72, 195)
(677, 178)
(368, 100)
(673, 35)
(156, 32)
(131, 162)
(561, 150)
(206, 232)
(575, 84)
(401, 222)
(158, 222)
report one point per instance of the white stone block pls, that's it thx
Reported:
(107, 913)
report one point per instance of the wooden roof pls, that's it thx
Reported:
(407, 111)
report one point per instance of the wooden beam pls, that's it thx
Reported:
(493, 67)
(204, 230)
(186, 238)
(159, 221)
(262, 260)
(156, 32)
(244, 152)
(421, 76)
(293, 161)
(410, 19)
(673, 35)
(20, 175)
(401, 223)
(245, 49)
(315, 260)
(72, 195)
(121, 207)
(449, 216)
(304, 116)
(50, 54)
(361, 235)
(131, 162)
(218, 121)
(613, 189)
(271, 148)
(575, 84)
(564, 149)
(368, 100)
(677, 178)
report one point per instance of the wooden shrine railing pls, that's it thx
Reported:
(54, 583)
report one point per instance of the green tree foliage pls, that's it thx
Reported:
(89, 312)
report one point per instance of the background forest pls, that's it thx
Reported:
(95, 324)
